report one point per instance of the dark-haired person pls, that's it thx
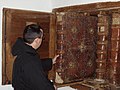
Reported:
(28, 69)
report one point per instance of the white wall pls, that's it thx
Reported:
(37, 5)
(62, 3)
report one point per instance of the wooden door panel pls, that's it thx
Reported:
(14, 22)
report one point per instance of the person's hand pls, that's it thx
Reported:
(54, 59)
(55, 87)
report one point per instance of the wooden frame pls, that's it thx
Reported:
(14, 21)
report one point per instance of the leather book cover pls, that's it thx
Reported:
(76, 45)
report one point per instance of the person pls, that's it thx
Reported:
(28, 69)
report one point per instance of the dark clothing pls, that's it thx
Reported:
(28, 69)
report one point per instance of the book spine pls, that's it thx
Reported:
(59, 48)
(102, 45)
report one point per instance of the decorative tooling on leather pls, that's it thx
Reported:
(78, 33)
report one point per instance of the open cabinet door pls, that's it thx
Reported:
(14, 22)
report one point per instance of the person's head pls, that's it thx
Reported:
(32, 35)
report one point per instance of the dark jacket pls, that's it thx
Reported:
(28, 69)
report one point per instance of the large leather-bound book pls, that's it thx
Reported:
(76, 45)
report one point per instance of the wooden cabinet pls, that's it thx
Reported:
(101, 35)
(85, 36)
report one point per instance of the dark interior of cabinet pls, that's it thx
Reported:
(14, 22)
